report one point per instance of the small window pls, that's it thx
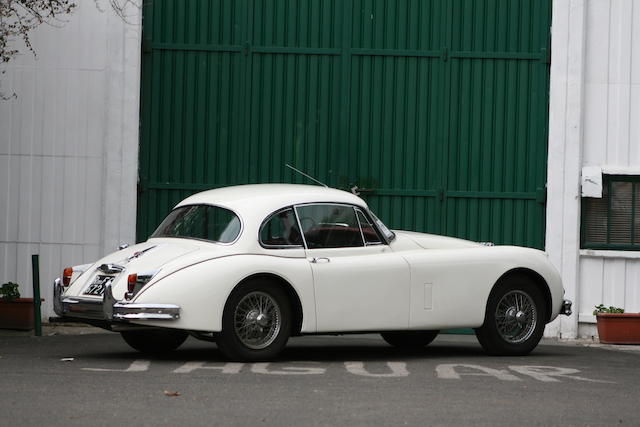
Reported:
(200, 222)
(329, 226)
(613, 221)
(281, 230)
(368, 231)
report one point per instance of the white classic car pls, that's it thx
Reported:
(249, 266)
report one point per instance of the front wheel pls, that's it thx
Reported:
(515, 318)
(256, 323)
(155, 340)
(409, 339)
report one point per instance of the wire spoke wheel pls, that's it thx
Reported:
(257, 320)
(516, 316)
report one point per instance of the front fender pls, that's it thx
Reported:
(202, 289)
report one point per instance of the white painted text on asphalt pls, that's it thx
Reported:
(445, 371)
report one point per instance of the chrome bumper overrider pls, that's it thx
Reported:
(566, 307)
(109, 308)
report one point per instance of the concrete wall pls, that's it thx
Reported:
(69, 146)
(594, 121)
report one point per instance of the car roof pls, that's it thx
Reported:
(261, 199)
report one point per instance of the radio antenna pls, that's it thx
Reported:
(305, 175)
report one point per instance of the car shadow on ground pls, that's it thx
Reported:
(334, 350)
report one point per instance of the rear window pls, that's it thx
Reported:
(200, 222)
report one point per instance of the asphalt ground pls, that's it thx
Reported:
(96, 379)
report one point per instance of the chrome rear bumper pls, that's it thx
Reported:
(109, 308)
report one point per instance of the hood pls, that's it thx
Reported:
(434, 241)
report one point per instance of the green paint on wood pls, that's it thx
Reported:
(437, 109)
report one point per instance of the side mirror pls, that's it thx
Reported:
(123, 246)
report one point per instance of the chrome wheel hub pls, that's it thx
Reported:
(516, 317)
(257, 320)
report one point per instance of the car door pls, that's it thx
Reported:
(360, 283)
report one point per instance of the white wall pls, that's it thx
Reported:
(69, 146)
(594, 121)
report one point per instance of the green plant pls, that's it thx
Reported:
(611, 309)
(9, 291)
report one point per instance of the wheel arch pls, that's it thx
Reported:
(537, 279)
(292, 294)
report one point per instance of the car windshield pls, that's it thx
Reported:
(200, 222)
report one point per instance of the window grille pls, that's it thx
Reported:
(613, 221)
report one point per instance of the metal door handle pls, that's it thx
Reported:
(319, 260)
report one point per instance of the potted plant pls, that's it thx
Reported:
(617, 327)
(15, 312)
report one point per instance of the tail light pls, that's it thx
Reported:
(66, 276)
(131, 283)
(135, 282)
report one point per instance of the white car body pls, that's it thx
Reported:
(414, 282)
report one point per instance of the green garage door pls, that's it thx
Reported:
(436, 110)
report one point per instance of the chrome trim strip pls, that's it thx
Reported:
(146, 316)
(146, 311)
(135, 306)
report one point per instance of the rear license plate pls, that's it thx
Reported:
(98, 285)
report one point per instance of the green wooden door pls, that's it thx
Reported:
(436, 110)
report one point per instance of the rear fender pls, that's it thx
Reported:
(201, 290)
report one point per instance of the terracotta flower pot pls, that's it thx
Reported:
(17, 314)
(619, 328)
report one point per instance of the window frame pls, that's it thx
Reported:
(608, 180)
(372, 224)
(383, 239)
(268, 218)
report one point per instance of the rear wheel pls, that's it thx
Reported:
(155, 340)
(409, 339)
(256, 322)
(515, 318)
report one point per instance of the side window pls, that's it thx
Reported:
(281, 230)
(329, 226)
(368, 231)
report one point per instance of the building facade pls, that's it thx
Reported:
(83, 153)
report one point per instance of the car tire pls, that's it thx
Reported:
(409, 339)
(256, 323)
(155, 340)
(515, 317)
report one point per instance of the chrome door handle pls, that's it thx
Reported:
(319, 260)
